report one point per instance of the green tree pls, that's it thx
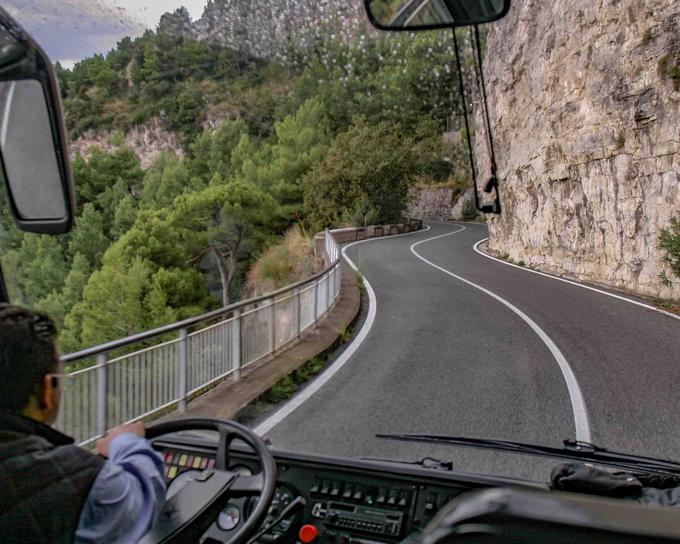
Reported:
(130, 294)
(58, 304)
(186, 109)
(121, 55)
(124, 217)
(101, 74)
(100, 173)
(36, 268)
(243, 156)
(112, 305)
(301, 142)
(10, 235)
(88, 238)
(220, 222)
(175, 294)
(167, 178)
(176, 25)
(211, 151)
(371, 167)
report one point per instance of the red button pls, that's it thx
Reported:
(308, 533)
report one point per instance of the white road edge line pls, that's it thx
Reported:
(577, 403)
(279, 415)
(557, 278)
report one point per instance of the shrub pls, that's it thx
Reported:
(669, 243)
(287, 262)
(469, 211)
(670, 69)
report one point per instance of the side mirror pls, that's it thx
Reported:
(34, 160)
(432, 14)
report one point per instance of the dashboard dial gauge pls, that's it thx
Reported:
(241, 470)
(229, 518)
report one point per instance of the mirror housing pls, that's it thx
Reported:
(34, 157)
(412, 15)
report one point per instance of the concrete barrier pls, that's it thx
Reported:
(353, 234)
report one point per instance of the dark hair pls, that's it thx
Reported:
(27, 353)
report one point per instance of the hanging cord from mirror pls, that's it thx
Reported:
(492, 182)
(3, 291)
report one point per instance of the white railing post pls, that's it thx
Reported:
(316, 303)
(182, 374)
(338, 281)
(102, 394)
(298, 315)
(327, 240)
(272, 326)
(237, 353)
(328, 291)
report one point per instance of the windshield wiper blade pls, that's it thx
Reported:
(572, 449)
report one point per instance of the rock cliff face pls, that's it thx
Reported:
(268, 29)
(146, 140)
(585, 110)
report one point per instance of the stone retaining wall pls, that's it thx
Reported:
(353, 234)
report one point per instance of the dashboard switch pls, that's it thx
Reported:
(308, 534)
(318, 510)
(382, 492)
(403, 498)
(431, 504)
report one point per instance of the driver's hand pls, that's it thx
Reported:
(103, 443)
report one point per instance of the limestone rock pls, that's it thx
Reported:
(585, 111)
(146, 140)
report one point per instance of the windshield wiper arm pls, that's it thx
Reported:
(425, 462)
(572, 449)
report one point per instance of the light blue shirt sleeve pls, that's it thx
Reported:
(127, 495)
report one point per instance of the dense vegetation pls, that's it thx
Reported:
(669, 243)
(337, 139)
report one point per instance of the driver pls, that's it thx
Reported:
(52, 490)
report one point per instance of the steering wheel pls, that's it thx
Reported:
(192, 510)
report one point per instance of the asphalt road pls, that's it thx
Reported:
(445, 357)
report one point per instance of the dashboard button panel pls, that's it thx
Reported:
(177, 461)
(358, 518)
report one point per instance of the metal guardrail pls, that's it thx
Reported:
(144, 374)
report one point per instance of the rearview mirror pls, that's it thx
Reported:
(34, 161)
(432, 14)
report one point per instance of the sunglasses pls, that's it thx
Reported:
(65, 381)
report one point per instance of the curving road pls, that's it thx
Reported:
(462, 344)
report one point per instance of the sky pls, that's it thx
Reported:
(70, 30)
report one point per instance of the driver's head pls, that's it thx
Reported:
(28, 360)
